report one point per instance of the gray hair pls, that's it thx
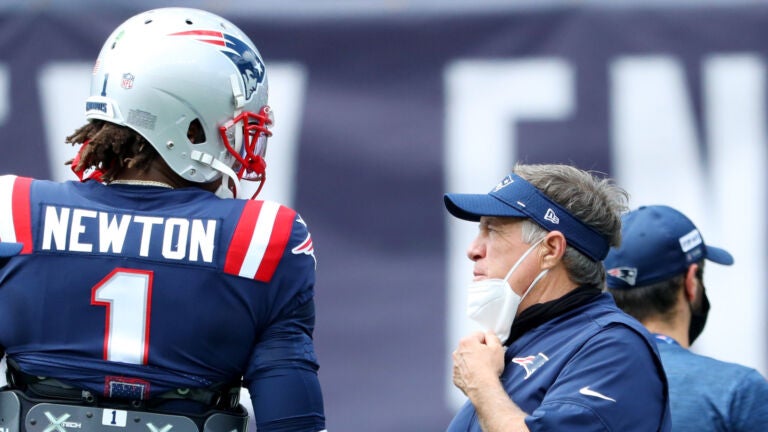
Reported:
(597, 202)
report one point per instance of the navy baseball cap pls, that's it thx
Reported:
(657, 243)
(9, 249)
(517, 198)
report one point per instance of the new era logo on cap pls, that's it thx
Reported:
(551, 216)
(690, 240)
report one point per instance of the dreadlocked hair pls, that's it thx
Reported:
(110, 148)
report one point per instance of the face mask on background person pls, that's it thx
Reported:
(493, 304)
(698, 319)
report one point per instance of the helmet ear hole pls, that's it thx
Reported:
(195, 132)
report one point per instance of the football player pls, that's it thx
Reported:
(144, 290)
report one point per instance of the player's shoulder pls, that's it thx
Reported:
(15, 190)
(8, 181)
(282, 221)
(267, 234)
(18, 183)
(268, 214)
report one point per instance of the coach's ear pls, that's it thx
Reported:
(552, 250)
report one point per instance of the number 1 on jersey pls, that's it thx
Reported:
(127, 295)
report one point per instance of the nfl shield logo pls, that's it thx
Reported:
(127, 81)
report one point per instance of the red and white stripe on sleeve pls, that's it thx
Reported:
(260, 239)
(15, 216)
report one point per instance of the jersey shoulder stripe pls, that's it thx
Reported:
(259, 240)
(238, 246)
(15, 211)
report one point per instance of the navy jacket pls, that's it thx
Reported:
(591, 369)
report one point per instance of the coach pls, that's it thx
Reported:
(557, 354)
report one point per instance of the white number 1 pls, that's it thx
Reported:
(127, 295)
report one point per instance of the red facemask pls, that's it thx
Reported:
(251, 165)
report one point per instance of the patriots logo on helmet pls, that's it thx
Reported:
(531, 363)
(246, 60)
(250, 65)
(627, 274)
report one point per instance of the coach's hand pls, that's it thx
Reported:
(477, 365)
(477, 362)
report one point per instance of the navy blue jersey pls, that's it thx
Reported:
(131, 291)
(591, 369)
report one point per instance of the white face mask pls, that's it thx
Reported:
(493, 304)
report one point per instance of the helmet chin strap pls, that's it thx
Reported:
(223, 191)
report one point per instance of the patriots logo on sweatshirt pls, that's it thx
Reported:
(530, 363)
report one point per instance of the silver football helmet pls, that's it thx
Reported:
(167, 69)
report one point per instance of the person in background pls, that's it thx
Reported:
(144, 296)
(557, 353)
(657, 276)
